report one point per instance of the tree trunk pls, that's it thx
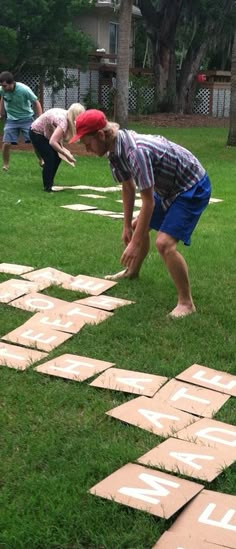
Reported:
(123, 57)
(161, 18)
(161, 24)
(232, 120)
(203, 40)
(186, 84)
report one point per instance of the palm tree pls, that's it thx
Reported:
(123, 56)
(232, 120)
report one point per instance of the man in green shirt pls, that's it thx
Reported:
(20, 105)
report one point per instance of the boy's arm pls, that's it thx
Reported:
(131, 256)
(128, 196)
(37, 108)
(2, 110)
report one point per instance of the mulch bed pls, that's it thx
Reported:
(160, 120)
(166, 120)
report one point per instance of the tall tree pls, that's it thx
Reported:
(204, 24)
(123, 60)
(41, 34)
(161, 19)
(199, 25)
(232, 121)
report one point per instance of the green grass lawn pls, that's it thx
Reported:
(57, 440)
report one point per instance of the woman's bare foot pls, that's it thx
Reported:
(182, 310)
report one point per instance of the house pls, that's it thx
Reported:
(93, 87)
(101, 23)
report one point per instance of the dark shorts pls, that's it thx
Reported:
(13, 129)
(181, 218)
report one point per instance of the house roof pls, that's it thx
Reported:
(110, 4)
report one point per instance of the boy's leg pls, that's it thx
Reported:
(143, 253)
(10, 137)
(155, 222)
(126, 273)
(178, 224)
(178, 270)
(24, 127)
(6, 155)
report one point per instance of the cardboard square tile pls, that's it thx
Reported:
(76, 187)
(139, 383)
(53, 276)
(212, 379)
(18, 357)
(92, 195)
(14, 288)
(212, 516)
(108, 189)
(89, 315)
(116, 215)
(35, 286)
(60, 188)
(192, 398)
(137, 203)
(101, 212)
(99, 189)
(79, 207)
(159, 418)
(210, 432)
(121, 215)
(37, 336)
(13, 268)
(36, 302)
(8, 292)
(182, 541)
(64, 187)
(106, 302)
(89, 284)
(55, 321)
(189, 459)
(75, 367)
(151, 491)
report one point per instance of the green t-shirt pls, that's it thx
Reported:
(18, 103)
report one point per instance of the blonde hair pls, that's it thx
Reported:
(111, 130)
(74, 110)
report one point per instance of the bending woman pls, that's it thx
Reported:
(47, 134)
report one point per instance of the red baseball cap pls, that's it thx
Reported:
(88, 122)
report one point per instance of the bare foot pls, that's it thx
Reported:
(121, 274)
(5, 168)
(116, 276)
(182, 310)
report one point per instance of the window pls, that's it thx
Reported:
(113, 37)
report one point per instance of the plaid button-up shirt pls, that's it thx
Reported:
(153, 161)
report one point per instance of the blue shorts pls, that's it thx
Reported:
(13, 128)
(180, 219)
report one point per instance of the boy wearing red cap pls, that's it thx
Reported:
(174, 187)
